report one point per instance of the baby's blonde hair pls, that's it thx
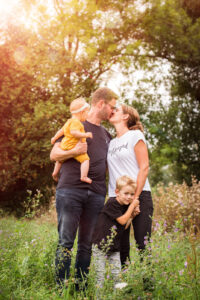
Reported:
(77, 104)
(124, 181)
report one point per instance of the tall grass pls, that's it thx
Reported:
(170, 264)
(27, 265)
(178, 204)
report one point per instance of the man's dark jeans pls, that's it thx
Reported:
(76, 208)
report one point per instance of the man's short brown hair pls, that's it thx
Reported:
(103, 93)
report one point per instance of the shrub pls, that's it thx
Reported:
(178, 205)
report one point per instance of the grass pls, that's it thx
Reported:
(27, 252)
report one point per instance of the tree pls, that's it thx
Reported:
(43, 68)
(170, 30)
(64, 55)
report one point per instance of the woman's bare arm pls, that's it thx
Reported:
(142, 157)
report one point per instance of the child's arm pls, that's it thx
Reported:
(79, 135)
(125, 217)
(58, 134)
(133, 215)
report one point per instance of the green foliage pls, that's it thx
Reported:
(171, 32)
(58, 57)
(31, 204)
(44, 65)
(171, 265)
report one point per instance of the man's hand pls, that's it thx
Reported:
(57, 154)
(80, 148)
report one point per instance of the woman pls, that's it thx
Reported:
(128, 155)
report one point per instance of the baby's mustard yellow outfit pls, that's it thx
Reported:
(69, 141)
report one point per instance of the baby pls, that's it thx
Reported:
(73, 132)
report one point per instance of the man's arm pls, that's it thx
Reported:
(57, 154)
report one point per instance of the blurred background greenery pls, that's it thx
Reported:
(54, 51)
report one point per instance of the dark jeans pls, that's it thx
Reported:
(76, 208)
(141, 225)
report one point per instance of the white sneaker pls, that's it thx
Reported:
(120, 285)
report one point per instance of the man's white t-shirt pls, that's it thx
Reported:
(122, 160)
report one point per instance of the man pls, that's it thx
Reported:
(79, 203)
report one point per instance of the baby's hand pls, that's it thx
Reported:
(89, 135)
(52, 141)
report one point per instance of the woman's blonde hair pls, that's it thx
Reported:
(133, 122)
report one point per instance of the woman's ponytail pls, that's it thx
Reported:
(133, 122)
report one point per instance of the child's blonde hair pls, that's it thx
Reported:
(125, 180)
(78, 105)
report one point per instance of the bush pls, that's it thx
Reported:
(178, 205)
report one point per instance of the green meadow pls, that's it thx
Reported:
(27, 252)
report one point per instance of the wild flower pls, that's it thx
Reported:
(34, 240)
(185, 264)
(124, 270)
(181, 272)
(177, 202)
(105, 244)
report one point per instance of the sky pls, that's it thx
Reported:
(118, 82)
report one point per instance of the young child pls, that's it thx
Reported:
(110, 227)
(73, 131)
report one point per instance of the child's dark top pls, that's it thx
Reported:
(107, 220)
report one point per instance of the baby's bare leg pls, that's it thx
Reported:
(56, 170)
(84, 171)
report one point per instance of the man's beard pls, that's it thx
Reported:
(103, 115)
